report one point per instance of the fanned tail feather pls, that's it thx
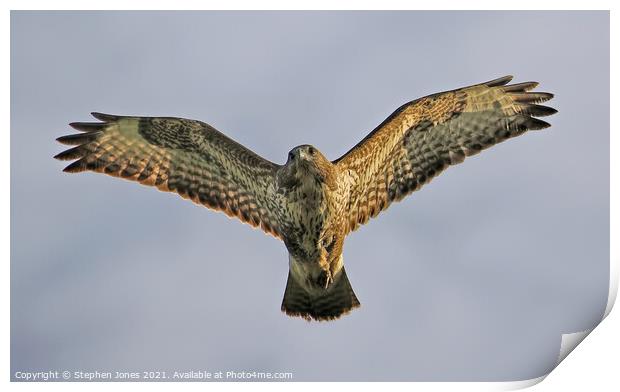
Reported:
(337, 301)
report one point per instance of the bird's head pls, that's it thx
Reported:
(306, 157)
(306, 162)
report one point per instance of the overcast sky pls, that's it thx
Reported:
(475, 277)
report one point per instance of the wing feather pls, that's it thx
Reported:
(187, 157)
(423, 137)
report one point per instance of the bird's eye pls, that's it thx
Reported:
(311, 150)
(291, 156)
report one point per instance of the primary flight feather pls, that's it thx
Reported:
(310, 203)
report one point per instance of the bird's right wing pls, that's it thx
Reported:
(184, 156)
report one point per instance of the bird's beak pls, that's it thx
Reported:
(303, 156)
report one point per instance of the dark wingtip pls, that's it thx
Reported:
(72, 153)
(540, 110)
(87, 126)
(499, 81)
(520, 87)
(535, 124)
(77, 139)
(75, 167)
(531, 97)
(104, 117)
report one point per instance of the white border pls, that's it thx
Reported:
(593, 365)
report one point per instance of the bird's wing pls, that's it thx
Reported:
(178, 155)
(423, 137)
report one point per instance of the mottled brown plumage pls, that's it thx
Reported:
(310, 203)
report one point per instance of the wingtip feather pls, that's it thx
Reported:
(499, 81)
(72, 153)
(75, 167)
(535, 124)
(104, 117)
(520, 87)
(531, 97)
(77, 139)
(538, 110)
(87, 126)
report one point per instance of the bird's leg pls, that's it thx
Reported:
(331, 250)
(323, 262)
(328, 278)
(325, 266)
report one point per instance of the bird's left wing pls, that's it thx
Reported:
(423, 137)
(187, 157)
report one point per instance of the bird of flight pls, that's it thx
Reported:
(310, 202)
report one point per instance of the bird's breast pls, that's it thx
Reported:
(311, 209)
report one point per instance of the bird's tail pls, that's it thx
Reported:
(337, 300)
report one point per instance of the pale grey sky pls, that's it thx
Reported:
(475, 277)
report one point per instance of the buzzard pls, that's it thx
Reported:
(310, 202)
